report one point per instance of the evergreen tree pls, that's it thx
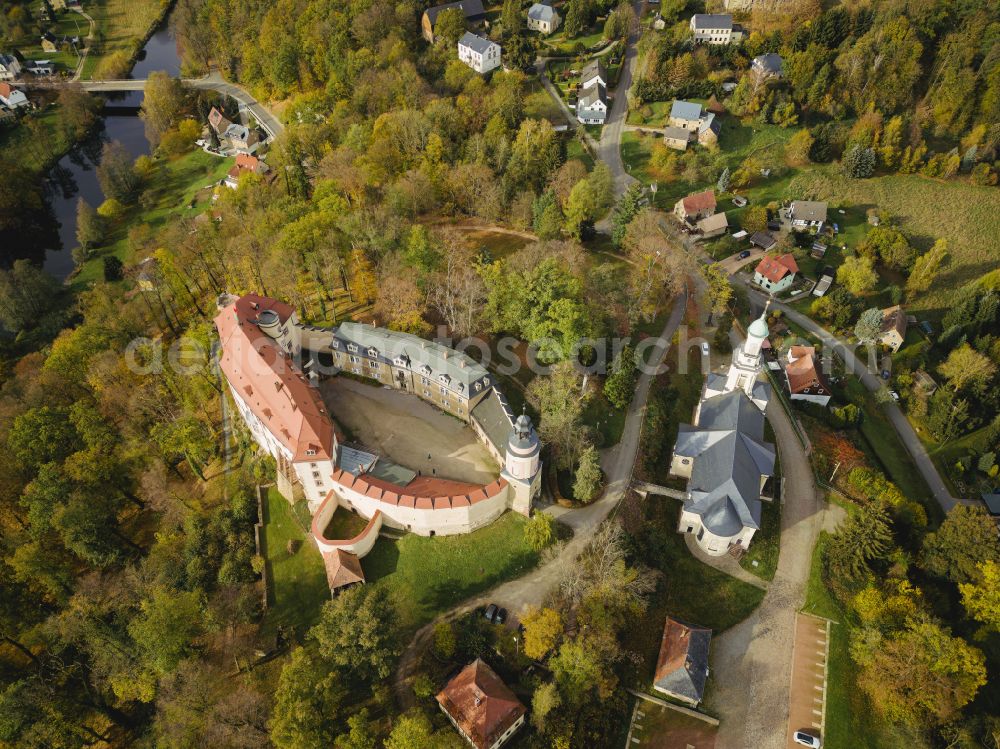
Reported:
(620, 383)
(859, 162)
(587, 482)
(864, 538)
(628, 206)
(723, 184)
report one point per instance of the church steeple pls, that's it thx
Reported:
(757, 333)
(746, 365)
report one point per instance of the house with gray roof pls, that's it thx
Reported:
(479, 53)
(715, 28)
(472, 10)
(682, 667)
(593, 72)
(676, 137)
(685, 114)
(592, 105)
(767, 65)
(450, 379)
(726, 461)
(543, 18)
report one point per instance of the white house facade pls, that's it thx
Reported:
(10, 67)
(12, 98)
(543, 18)
(592, 105)
(715, 28)
(478, 53)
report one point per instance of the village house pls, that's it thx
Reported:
(241, 138)
(40, 67)
(12, 98)
(593, 72)
(542, 17)
(245, 164)
(775, 273)
(807, 214)
(676, 137)
(701, 125)
(472, 9)
(715, 28)
(218, 121)
(893, 328)
(804, 379)
(713, 226)
(682, 666)
(481, 707)
(10, 67)
(767, 65)
(592, 104)
(697, 206)
(478, 53)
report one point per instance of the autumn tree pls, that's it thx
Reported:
(868, 329)
(542, 630)
(981, 597)
(164, 101)
(966, 368)
(538, 531)
(561, 405)
(965, 539)
(115, 173)
(857, 274)
(659, 266)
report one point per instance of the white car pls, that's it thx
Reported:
(704, 348)
(894, 395)
(807, 739)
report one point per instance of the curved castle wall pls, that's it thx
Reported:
(360, 545)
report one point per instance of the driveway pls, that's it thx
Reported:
(734, 262)
(896, 417)
(533, 588)
(752, 661)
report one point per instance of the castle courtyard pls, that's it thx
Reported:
(406, 429)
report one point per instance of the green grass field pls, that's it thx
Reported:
(298, 584)
(653, 114)
(35, 154)
(539, 105)
(559, 44)
(426, 576)
(174, 186)
(66, 23)
(121, 24)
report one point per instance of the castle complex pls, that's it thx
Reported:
(261, 343)
(723, 455)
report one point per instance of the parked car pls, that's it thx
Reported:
(491, 612)
(739, 201)
(744, 255)
(704, 348)
(774, 226)
(894, 395)
(807, 739)
(501, 617)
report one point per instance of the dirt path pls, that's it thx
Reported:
(533, 588)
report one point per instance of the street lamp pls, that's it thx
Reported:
(517, 648)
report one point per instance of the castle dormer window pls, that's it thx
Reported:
(335, 344)
(373, 352)
(426, 369)
(444, 378)
(352, 347)
(478, 386)
(401, 361)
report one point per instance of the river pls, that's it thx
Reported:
(75, 175)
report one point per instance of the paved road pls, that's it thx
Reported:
(734, 262)
(211, 82)
(610, 148)
(533, 588)
(896, 417)
(752, 661)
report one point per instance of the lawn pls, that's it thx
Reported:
(927, 209)
(653, 114)
(539, 105)
(562, 45)
(766, 543)
(175, 186)
(426, 576)
(298, 584)
(609, 422)
(35, 154)
(122, 25)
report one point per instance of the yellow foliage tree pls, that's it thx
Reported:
(542, 628)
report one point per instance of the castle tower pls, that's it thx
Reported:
(522, 465)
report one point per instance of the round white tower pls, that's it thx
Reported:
(522, 463)
(757, 333)
(523, 448)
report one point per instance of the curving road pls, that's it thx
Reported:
(896, 416)
(532, 588)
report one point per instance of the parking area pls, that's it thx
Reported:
(658, 725)
(807, 701)
(734, 262)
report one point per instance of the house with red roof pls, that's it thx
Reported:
(696, 206)
(775, 273)
(481, 707)
(682, 667)
(805, 381)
